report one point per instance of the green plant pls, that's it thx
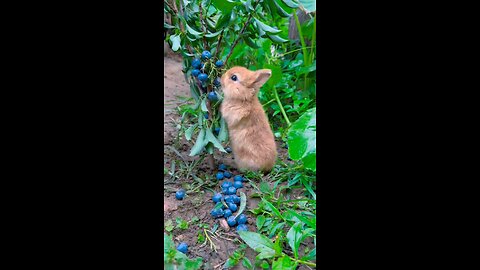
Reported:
(302, 139)
(173, 259)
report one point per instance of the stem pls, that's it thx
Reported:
(305, 53)
(270, 101)
(211, 161)
(304, 262)
(283, 54)
(312, 55)
(280, 105)
(241, 31)
(218, 44)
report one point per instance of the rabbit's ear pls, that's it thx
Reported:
(260, 77)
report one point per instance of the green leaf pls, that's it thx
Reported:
(259, 243)
(276, 38)
(280, 10)
(246, 263)
(225, 6)
(243, 204)
(309, 5)
(211, 138)
(275, 228)
(310, 256)
(311, 224)
(210, 35)
(199, 143)
(250, 42)
(223, 134)
(272, 208)
(266, 28)
(194, 264)
(203, 105)
(302, 139)
(293, 236)
(264, 187)
(283, 263)
(175, 39)
(260, 222)
(290, 3)
(169, 225)
(189, 132)
(181, 224)
(308, 69)
(193, 31)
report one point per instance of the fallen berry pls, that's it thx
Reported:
(238, 184)
(219, 176)
(242, 219)
(228, 149)
(242, 227)
(233, 207)
(226, 185)
(227, 174)
(227, 213)
(217, 197)
(222, 167)
(216, 213)
(183, 247)
(238, 178)
(180, 194)
(229, 199)
(231, 221)
(232, 190)
(236, 199)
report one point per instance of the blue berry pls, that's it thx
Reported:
(206, 116)
(227, 174)
(183, 247)
(195, 72)
(233, 207)
(216, 82)
(232, 190)
(242, 219)
(227, 213)
(229, 199)
(228, 149)
(202, 77)
(236, 199)
(180, 194)
(238, 178)
(231, 221)
(219, 63)
(216, 213)
(196, 63)
(222, 167)
(206, 55)
(212, 96)
(242, 227)
(217, 197)
(226, 185)
(238, 184)
(219, 176)
(216, 130)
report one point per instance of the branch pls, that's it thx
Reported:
(241, 31)
(205, 44)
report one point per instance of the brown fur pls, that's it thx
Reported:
(252, 139)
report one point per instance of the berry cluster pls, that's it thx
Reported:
(229, 201)
(203, 71)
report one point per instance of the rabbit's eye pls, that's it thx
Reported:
(234, 78)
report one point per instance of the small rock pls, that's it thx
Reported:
(224, 224)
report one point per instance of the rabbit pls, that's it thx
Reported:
(251, 137)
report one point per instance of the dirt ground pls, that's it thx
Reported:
(199, 203)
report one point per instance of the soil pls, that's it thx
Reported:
(197, 204)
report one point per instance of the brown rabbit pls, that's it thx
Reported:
(252, 139)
